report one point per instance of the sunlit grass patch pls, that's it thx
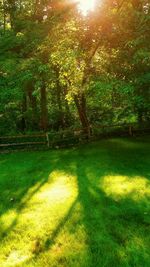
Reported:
(118, 186)
(37, 215)
(15, 258)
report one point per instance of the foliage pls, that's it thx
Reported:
(60, 69)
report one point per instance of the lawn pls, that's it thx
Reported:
(82, 207)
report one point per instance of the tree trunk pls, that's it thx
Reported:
(4, 16)
(24, 110)
(44, 111)
(12, 7)
(140, 117)
(33, 104)
(80, 102)
(60, 108)
(68, 116)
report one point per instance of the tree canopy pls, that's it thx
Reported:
(60, 68)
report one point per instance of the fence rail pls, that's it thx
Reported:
(21, 136)
(68, 137)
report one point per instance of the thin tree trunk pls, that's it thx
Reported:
(12, 11)
(24, 110)
(59, 102)
(4, 16)
(33, 104)
(80, 102)
(140, 117)
(68, 117)
(44, 111)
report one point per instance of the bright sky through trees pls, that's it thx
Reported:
(86, 5)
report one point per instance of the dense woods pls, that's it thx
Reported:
(61, 69)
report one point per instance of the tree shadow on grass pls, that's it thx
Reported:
(50, 241)
(116, 228)
(17, 191)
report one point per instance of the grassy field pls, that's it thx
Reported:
(82, 207)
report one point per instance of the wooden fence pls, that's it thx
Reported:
(68, 137)
(22, 140)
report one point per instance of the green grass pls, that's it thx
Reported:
(81, 207)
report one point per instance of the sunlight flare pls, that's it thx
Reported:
(86, 6)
